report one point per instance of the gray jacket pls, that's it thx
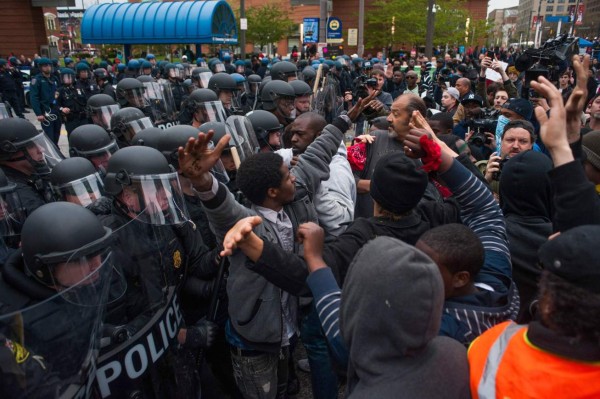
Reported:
(254, 303)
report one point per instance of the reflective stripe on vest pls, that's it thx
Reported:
(487, 384)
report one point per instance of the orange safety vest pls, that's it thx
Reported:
(505, 365)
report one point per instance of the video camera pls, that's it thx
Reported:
(480, 126)
(361, 84)
(550, 60)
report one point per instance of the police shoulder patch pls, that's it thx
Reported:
(33, 81)
(177, 259)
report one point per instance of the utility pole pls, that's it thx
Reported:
(323, 22)
(575, 13)
(242, 31)
(361, 27)
(430, 29)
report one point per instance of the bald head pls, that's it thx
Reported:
(463, 85)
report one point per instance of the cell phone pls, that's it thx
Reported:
(490, 54)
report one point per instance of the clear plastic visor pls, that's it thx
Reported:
(204, 78)
(155, 199)
(83, 191)
(133, 127)
(41, 152)
(210, 111)
(101, 115)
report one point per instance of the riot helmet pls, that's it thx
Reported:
(267, 128)
(216, 66)
(76, 180)
(303, 96)
(189, 86)
(285, 71)
(172, 72)
(146, 78)
(93, 143)
(83, 70)
(201, 76)
(68, 256)
(240, 66)
(225, 86)
(101, 74)
(241, 81)
(25, 148)
(146, 68)
(130, 92)
(201, 62)
(204, 106)
(100, 108)
(133, 68)
(126, 122)
(278, 96)
(145, 186)
(253, 84)
(67, 76)
(148, 137)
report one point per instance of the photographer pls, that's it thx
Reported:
(509, 87)
(379, 106)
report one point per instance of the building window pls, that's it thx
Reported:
(50, 23)
(550, 1)
(560, 8)
(561, 1)
(549, 8)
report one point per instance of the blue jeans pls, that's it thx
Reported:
(260, 375)
(323, 377)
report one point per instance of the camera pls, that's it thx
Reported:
(360, 84)
(481, 126)
(496, 175)
(550, 60)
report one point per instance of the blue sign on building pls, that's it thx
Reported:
(311, 30)
(334, 30)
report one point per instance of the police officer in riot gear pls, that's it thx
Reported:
(284, 70)
(100, 108)
(12, 216)
(174, 76)
(126, 122)
(27, 157)
(267, 129)
(130, 93)
(52, 296)
(93, 143)
(148, 137)
(253, 97)
(225, 87)
(84, 82)
(146, 68)
(104, 81)
(158, 249)
(303, 93)
(278, 97)
(76, 180)
(71, 100)
(133, 69)
(201, 106)
(201, 76)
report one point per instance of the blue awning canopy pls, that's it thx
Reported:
(160, 23)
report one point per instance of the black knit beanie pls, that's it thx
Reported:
(398, 184)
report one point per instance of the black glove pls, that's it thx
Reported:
(201, 334)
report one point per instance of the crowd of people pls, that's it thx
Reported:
(424, 228)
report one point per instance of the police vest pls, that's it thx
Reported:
(504, 364)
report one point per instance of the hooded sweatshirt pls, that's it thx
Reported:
(390, 317)
(526, 201)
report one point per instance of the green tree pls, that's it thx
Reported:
(267, 24)
(404, 22)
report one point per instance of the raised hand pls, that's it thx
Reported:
(239, 233)
(197, 158)
(576, 102)
(360, 105)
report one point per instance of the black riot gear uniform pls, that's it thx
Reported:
(100, 108)
(159, 250)
(20, 141)
(76, 180)
(72, 100)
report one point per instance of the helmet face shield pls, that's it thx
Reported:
(204, 78)
(155, 199)
(83, 191)
(135, 97)
(175, 73)
(67, 79)
(219, 67)
(242, 136)
(133, 127)
(240, 69)
(210, 111)
(99, 157)
(41, 153)
(159, 98)
(101, 115)
(285, 105)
